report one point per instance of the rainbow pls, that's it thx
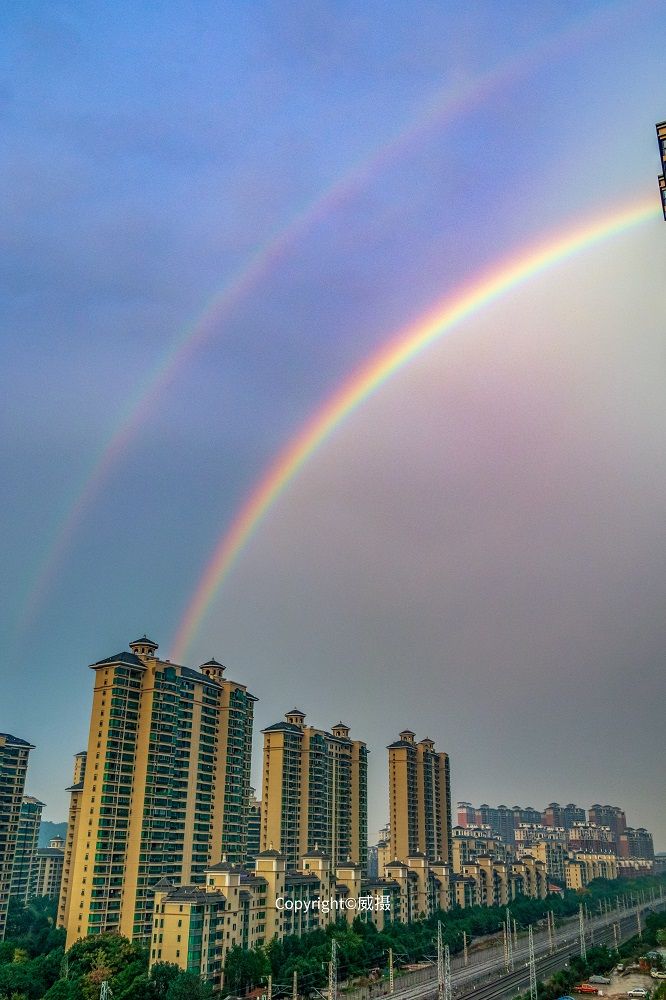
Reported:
(372, 375)
(443, 109)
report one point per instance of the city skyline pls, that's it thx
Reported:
(334, 350)
(441, 812)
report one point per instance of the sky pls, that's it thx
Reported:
(213, 216)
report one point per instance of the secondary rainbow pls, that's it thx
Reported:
(445, 107)
(400, 350)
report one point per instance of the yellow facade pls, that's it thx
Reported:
(419, 799)
(49, 867)
(314, 791)
(165, 788)
(71, 838)
(195, 926)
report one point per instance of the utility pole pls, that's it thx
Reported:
(466, 957)
(581, 932)
(447, 973)
(638, 924)
(509, 942)
(441, 985)
(333, 972)
(391, 982)
(515, 934)
(616, 936)
(294, 986)
(269, 989)
(533, 979)
(550, 932)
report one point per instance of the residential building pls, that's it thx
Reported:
(71, 838)
(194, 927)
(590, 838)
(165, 788)
(597, 865)
(471, 842)
(419, 799)
(24, 872)
(562, 816)
(611, 816)
(253, 828)
(14, 754)
(49, 868)
(636, 868)
(466, 814)
(552, 853)
(315, 791)
(533, 833)
(525, 814)
(661, 139)
(635, 843)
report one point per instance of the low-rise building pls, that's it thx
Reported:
(551, 853)
(195, 926)
(582, 867)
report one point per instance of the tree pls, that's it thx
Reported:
(244, 969)
(162, 975)
(189, 987)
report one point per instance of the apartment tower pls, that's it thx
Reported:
(419, 799)
(71, 838)
(164, 791)
(13, 767)
(315, 792)
(24, 873)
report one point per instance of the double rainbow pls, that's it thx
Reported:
(446, 107)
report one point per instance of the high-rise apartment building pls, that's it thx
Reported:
(253, 845)
(71, 838)
(165, 789)
(315, 792)
(562, 816)
(24, 872)
(636, 844)
(610, 816)
(13, 766)
(419, 799)
(48, 869)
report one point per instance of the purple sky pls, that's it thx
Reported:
(478, 554)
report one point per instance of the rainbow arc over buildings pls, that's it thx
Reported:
(374, 373)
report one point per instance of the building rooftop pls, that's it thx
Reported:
(289, 727)
(130, 659)
(15, 741)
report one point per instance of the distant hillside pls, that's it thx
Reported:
(48, 830)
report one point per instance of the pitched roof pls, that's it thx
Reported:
(289, 727)
(131, 659)
(15, 741)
